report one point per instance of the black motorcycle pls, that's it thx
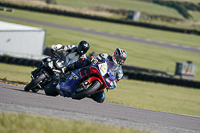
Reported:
(49, 68)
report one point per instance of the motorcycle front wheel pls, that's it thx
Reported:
(91, 90)
(34, 82)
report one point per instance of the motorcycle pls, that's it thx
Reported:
(85, 81)
(49, 68)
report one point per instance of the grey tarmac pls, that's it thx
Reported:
(14, 99)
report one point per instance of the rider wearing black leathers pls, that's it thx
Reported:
(72, 53)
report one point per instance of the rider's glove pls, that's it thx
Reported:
(94, 61)
(113, 86)
(69, 68)
(66, 70)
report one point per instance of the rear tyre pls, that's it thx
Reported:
(91, 90)
(34, 82)
(35, 90)
(50, 89)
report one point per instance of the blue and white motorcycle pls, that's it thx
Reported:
(85, 81)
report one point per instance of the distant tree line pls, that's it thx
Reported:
(181, 7)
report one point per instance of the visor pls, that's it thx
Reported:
(120, 60)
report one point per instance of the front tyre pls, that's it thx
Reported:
(34, 82)
(91, 90)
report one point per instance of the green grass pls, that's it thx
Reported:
(15, 72)
(145, 7)
(195, 15)
(156, 96)
(185, 39)
(23, 123)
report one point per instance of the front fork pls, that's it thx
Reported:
(34, 72)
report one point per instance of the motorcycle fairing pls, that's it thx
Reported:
(90, 73)
(68, 85)
(109, 79)
(107, 75)
(94, 71)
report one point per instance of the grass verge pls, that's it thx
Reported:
(185, 39)
(23, 123)
(156, 96)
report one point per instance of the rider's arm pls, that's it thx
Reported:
(102, 56)
(69, 48)
(82, 62)
(95, 59)
(119, 76)
(60, 47)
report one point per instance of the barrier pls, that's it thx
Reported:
(19, 61)
(165, 79)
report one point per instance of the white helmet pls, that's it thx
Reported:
(119, 56)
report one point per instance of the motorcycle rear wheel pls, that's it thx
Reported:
(34, 82)
(91, 90)
(50, 89)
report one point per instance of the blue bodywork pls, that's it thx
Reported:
(106, 69)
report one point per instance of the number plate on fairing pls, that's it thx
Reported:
(103, 68)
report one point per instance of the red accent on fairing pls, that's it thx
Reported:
(95, 71)
(80, 73)
(91, 79)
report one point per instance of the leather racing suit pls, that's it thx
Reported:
(70, 54)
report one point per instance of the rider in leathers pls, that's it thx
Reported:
(72, 53)
(119, 57)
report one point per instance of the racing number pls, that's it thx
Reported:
(103, 68)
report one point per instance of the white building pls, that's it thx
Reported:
(21, 40)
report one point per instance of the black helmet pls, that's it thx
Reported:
(83, 47)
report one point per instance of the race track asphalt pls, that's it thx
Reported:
(112, 35)
(13, 98)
